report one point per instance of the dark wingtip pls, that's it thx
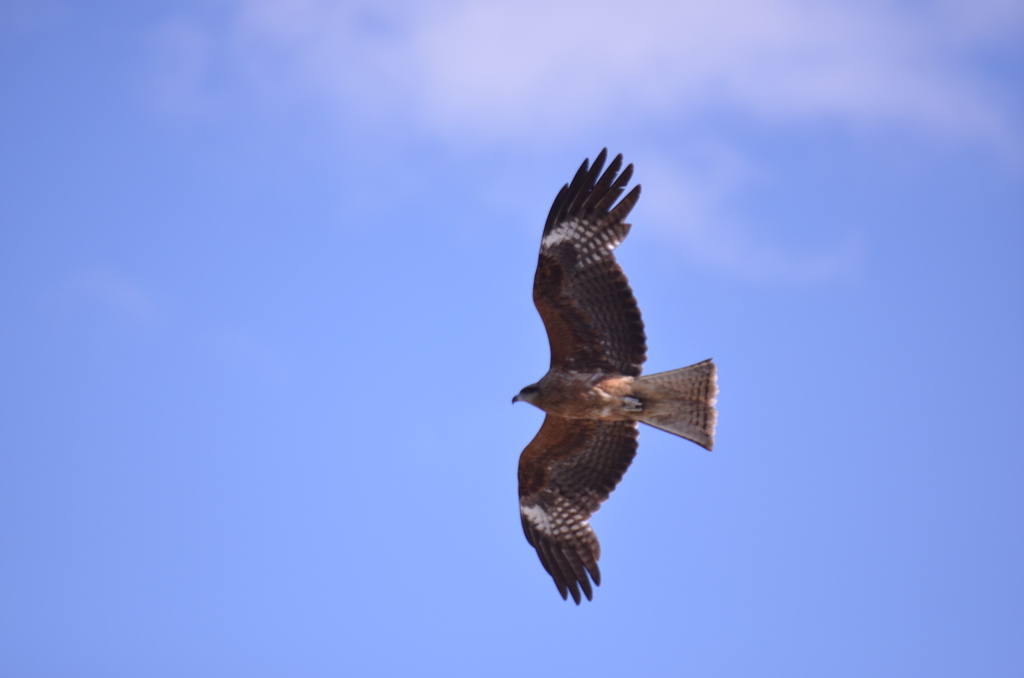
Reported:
(591, 190)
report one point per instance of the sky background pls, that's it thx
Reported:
(265, 272)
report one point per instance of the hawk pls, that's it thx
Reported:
(593, 394)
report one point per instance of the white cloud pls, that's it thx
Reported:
(690, 205)
(506, 70)
(538, 74)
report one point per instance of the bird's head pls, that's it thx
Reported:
(527, 395)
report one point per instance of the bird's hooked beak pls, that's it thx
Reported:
(526, 395)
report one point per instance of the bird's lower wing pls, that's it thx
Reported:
(569, 468)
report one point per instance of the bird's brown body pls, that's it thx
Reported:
(586, 395)
(593, 393)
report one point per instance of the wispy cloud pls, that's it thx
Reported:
(532, 67)
(114, 292)
(527, 62)
(536, 74)
(106, 297)
(184, 58)
(690, 206)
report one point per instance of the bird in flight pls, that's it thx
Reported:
(593, 394)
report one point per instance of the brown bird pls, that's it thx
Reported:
(593, 393)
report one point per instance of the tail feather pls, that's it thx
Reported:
(681, 402)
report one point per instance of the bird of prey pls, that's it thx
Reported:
(593, 394)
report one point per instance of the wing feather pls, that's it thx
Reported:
(566, 471)
(589, 311)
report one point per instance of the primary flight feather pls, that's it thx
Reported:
(593, 393)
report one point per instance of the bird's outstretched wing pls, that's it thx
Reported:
(583, 297)
(566, 471)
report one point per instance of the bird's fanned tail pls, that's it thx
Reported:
(681, 402)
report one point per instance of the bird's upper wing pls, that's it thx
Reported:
(566, 471)
(588, 308)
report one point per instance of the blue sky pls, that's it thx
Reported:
(265, 274)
